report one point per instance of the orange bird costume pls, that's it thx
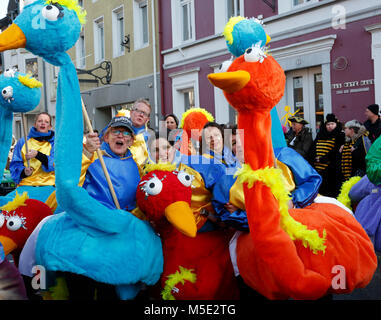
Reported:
(288, 253)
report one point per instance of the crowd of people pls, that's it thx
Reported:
(310, 167)
(338, 152)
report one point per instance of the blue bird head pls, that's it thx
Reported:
(19, 92)
(241, 33)
(47, 28)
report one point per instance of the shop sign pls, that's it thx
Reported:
(353, 86)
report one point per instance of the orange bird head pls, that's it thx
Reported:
(253, 80)
(18, 219)
(163, 193)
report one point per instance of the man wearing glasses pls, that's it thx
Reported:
(140, 115)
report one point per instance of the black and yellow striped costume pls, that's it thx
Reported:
(323, 147)
(346, 160)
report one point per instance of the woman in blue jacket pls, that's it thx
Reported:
(40, 156)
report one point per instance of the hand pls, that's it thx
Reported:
(28, 171)
(92, 142)
(341, 148)
(290, 204)
(317, 159)
(31, 154)
(231, 208)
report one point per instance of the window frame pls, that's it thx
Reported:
(177, 20)
(139, 41)
(117, 49)
(98, 52)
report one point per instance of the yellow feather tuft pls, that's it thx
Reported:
(274, 179)
(29, 82)
(174, 279)
(18, 201)
(343, 197)
(159, 166)
(71, 5)
(228, 30)
(207, 114)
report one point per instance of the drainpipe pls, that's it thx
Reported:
(161, 58)
(154, 64)
(44, 84)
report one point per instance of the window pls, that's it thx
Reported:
(185, 90)
(99, 45)
(81, 51)
(224, 10)
(186, 18)
(141, 24)
(232, 8)
(298, 2)
(118, 31)
(144, 21)
(188, 98)
(289, 5)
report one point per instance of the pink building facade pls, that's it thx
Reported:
(330, 51)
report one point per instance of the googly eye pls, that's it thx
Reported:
(153, 186)
(7, 92)
(14, 223)
(185, 178)
(51, 12)
(224, 66)
(254, 54)
(2, 220)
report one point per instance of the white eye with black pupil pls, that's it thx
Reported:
(7, 92)
(185, 178)
(153, 186)
(51, 13)
(14, 223)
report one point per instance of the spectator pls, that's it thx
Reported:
(212, 143)
(354, 150)
(325, 157)
(140, 114)
(171, 121)
(40, 173)
(299, 137)
(373, 122)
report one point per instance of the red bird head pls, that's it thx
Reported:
(165, 192)
(253, 80)
(18, 219)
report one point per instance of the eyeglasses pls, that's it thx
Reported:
(117, 132)
(141, 112)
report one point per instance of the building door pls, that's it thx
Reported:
(304, 94)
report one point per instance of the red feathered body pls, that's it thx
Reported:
(268, 259)
(18, 224)
(207, 254)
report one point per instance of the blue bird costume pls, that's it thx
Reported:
(19, 93)
(107, 245)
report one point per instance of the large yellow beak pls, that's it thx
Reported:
(230, 82)
(12, 38)
(180, 215)
(8, 244)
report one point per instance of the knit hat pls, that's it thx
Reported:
(331, 118)
(374, 108)
(353, 124)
